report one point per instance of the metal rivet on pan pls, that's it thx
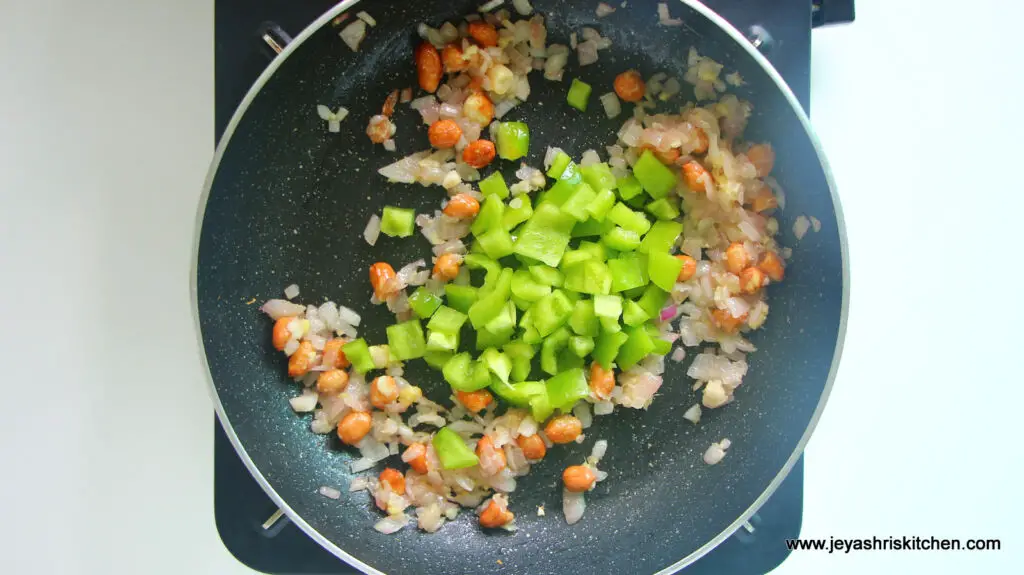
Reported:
(758, 36)
(747, 533)
(273, 525)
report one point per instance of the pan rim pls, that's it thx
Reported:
(337, 551)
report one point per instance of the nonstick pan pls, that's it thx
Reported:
(286, 202)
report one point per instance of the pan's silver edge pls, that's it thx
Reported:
(306, 527)
(844, 251)
(193, 288)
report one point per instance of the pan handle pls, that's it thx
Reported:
(274, 38)
(825, 12)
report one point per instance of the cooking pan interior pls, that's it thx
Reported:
(288, 203)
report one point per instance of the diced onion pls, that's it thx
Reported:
(329, 492)
(372, 231)
(611, 104)
(390, 525)
(663, 16)
(693, 414)
(573, 506)
(278, 308)
(304, 403)
(491, 5)
(587, 52)
(523, 7)
(353, 34)
(292, 291)
(800, 227)
(715, 453)
(365, 17)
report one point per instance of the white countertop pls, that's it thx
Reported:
(106, 134)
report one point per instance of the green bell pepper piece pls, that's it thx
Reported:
(452, 451)
(599, 176)
(460, 298)
(447, 320)
(637, 346)
(526, 287)
(591, 228)
(521, 304)
(547, 275)
(560, 192)
(627, 273)
(406, 340)
(521, 353)
(628, 219)
(496, 243)
(607, 347)
(609, 306)
(609, 324)
(629, 187)
(494, 184)
(661, 237)
(664, 209)
(398, 222)
(581, 345)
(513, 140)
(532, 336)
(568, 179)
(634, 315)
(661, 346)
(424, 303)
(566, 388)
(489, 306)
(519, 394)
(602, 203)
(621, 239)
(663, 269)
(437, 359)
(497, 363)
(560, 162)
(549, 350)
(518, 210)
(597, 249)
(462, 373)
(358, 353)
(573, 257)
(590, 276)
(486, 338)
(545, 235)
(551, 312)
(568, 360)
(440, 341)
(519, 348)
(579, 94)
(637, 202)
(583, 320)
(653, 300)
(581, 199)
(505, 321)
(489, 217)
(654, 176)
(521, 368)
(479, 261)
(540, 407)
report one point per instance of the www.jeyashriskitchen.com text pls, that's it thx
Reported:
(905, 543)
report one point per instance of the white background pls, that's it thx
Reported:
(107, 119)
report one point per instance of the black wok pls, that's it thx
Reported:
(286, 202)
